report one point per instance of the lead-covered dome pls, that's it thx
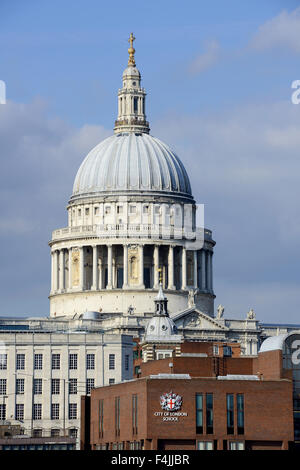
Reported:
(134, 162)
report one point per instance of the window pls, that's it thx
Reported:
(3, 361)
(20, 411)
(55, 386)
(135, 354)
(240, 412)
(2, 412)
(135, 104)
(117, 416)
(132, 209)
(37, 386)
(111, 381)
(55, 432)
(119, 210)
(55, 411)
(90, 383)
(236, 445)
(73, 411)
(73, 432)
(209, 413)
(90, 361)
(126, 361)
(227, 351)
(107, 210)
(79, 212)
(199, 413)
(215, 350)
(73, 386)
(134, 414)
(38, 361)
(205, 445)
(56, 361)
(37, 411)
(20, 383)
(20, 361)
(96, 210)
(230, 413)
(37, 433)
(101, 418)
(111, 361)
(145, 209)
(2, 386)
(73, 361)
(87, 211)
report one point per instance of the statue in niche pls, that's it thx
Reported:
(133, 268)
(75, 268)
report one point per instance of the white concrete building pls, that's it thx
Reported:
(44, 372)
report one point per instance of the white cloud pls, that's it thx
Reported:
(282, 30)
(39, 160)
(205, 60)
(244, 166)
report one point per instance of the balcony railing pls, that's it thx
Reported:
(148, 231)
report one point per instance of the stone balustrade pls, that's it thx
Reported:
(148, 231)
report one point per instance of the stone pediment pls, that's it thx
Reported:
(193, 318)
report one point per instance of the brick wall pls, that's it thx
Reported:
(268, 411)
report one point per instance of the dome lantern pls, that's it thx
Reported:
(131, 99)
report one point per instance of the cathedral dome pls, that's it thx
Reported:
(160, 326)
(131, 72)
(131, 162)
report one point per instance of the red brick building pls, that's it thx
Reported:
(217, 403)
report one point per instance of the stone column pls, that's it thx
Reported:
(100, 280)
(195, 270)
(109, 267)
(203, 270)
(52, 271)
(81, 268)
(211, 272)
(171, 268)
(114, 272)
(61, 269)
(141, 276)
(95, 268)
(56, 260)
(70, 268)
(156, 266)
(125, 266)
(183, 268)
(208, 271)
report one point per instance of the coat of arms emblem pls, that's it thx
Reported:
(170, 401)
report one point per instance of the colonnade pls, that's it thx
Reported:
(111, 266)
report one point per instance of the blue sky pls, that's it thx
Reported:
(218, 77)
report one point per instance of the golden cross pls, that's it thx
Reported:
(131, 50)
(131, 39)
